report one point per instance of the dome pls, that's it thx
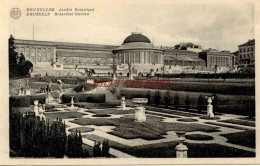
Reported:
(136, 37)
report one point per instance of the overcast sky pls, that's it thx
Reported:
(210, 24)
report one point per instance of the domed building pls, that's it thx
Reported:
(138, 51)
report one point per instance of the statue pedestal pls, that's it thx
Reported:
(210, 111)
(181, 151)
(27, 92)
(140, 114)
(59, 100)
(19, 92)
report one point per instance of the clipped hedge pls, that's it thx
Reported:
(91, 98)
(41, 98)
(26, 101)
(87, 87)
(19, 101)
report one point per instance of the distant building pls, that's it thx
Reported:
(138, 51)
(215, 58)
(247, 54)
(236, 54)
(188, 46)
(182, 58)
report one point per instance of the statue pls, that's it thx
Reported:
(210, 107)
(60, 84)
(27, 89)
(20, 89)
(130, 71)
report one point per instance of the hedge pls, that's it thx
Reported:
(211, 87)
(26, 101)
(87, 87)
(92, 98)
(225, 103)
(208, 76)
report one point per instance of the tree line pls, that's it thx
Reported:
(18, 65)
(31, 136)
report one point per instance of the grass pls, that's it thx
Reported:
(169, 111)
(167, 149)
(152, 129)
(199, 137)
(245, 138)
(101, 115)
(247, 118)
(82, 129)
(115, 111)
(209, 118)
(187, 120)
(63, 115)
(95, 105)
(226, 125)
(239, 122)
(157, 114)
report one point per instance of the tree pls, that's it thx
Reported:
(167, 99)
(176, 101)
(105, 148)
(215, 102)
(148, 96)
(97, 150)
(187, 102)
(13, 56)
(200, 103)
(157, 97)
(250, 105)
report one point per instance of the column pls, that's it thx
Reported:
(124, 57)
(30, 53)
(141, 57)
(150, 57)
(36, 50)
(158, 57)
(134, 57)
(54, 54)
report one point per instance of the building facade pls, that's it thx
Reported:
(69, 54)
(138, 51)
(173, 57)
(217, 59)
(247, 54)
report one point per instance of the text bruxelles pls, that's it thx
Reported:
(150, 83)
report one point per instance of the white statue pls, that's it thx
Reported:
(123, 105)
(36, 109)
(72, 102)
(210, 107)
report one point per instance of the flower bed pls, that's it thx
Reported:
(199, 137)
(82, 97)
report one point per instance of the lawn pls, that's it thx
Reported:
(226, 125)
(240, 122)
(170, 111)
(187, 120)
(199, 137)
(152, 129)
(115, 111)
(82, 129)
(63, 115)
(245, 138)
(167, 149)
(97, 105)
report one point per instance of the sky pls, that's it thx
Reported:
(211, 24)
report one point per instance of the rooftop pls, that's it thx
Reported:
(249, 43)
